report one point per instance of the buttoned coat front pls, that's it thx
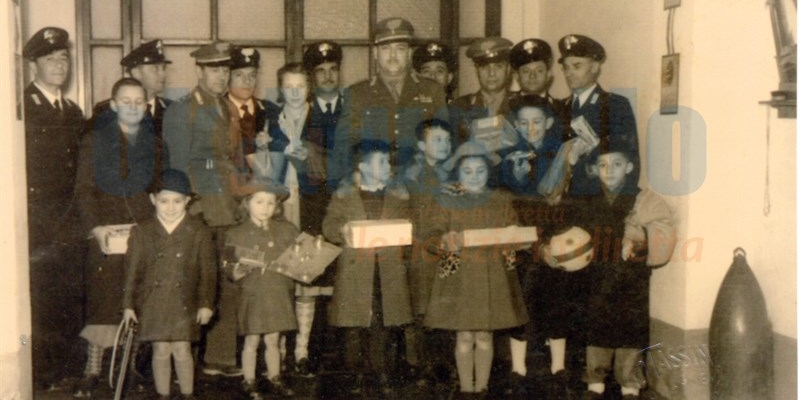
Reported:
(168, 277)
(351, 305)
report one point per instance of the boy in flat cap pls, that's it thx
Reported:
(607, 113)
(148, 65)
(389, 106)
(532, 63)
(197, 139)
(53, 126)
(435, 60)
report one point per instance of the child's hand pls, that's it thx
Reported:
(300, 153)
(100, 233)
(452, 241)
(519, 164)
(547, 256)
(239, 271)
(129, 315)
(627, 248)
(204, 315)
(579, 148)
(262, 139)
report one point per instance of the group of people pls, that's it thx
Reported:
(225, 171)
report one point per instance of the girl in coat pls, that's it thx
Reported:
(266, 298)
(117, 164)
(170, 282)
(476, 290)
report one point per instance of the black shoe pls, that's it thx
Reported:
(516, 384)
(559, 386)
(303, 368)
(85, 387)
(250, 388)
(278, 387)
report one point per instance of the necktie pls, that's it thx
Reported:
(395, 93)
(576, 105)
(328, 109)
(57, 105)
(248, 120)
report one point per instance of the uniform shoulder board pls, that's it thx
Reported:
(161, 101)
(260, 104)
(35, 98)
(198, 97)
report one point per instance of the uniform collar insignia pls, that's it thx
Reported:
(198, 97)
(161, 101)
(35, 98)
(594, 98)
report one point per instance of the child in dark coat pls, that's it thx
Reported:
(170, 281)
(266, 298)
(633, 232)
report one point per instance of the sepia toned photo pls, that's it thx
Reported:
(399, 199)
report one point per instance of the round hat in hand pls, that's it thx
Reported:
(572, 249)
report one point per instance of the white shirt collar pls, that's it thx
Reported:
(375, 188)
(238, 104)
(49, 96)
(170, 227)
(584, 96)
(322, 102)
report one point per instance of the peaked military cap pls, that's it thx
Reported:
(213, 54)
(242, 57)
(148, 53)
(44, 42)
(434, 51)
(580, 46)
(321, 52)
(490, 49)
(530, 50)
(393, 30)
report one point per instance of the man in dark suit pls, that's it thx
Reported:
(389, 106)
(53, 127)
(607, 113)
(147, 64)
(490, 56)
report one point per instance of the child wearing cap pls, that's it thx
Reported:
(633, 232)
(170, 282)
(117, 163)
(370, 297)
(476, 290)
(266, 299)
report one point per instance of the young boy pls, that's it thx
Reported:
(549, 293)
(370, 296)
(424, 178)
(170, 282)
(633, 232)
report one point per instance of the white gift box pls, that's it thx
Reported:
(117, 238)
(499, 236)
(584, 131)
(368, 234)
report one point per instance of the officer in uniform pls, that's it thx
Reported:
(196, 133)
(53, 128)
(490, 56)
(532, 63)
(147, 64)
(435, 60)
(607, 113)
(389, 106)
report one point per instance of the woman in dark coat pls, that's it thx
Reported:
(117, 164)
(483, 293)
(170, 281)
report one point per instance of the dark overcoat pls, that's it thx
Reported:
(169, 277)
(156, 115)
(483, 294)
(351, 305)
(113, 178)
(266, 300)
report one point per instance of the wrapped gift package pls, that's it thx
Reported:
(117, 238)
(306, 259)
(379, 233)
(494, 133)
(584, 131)
(498, 236)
